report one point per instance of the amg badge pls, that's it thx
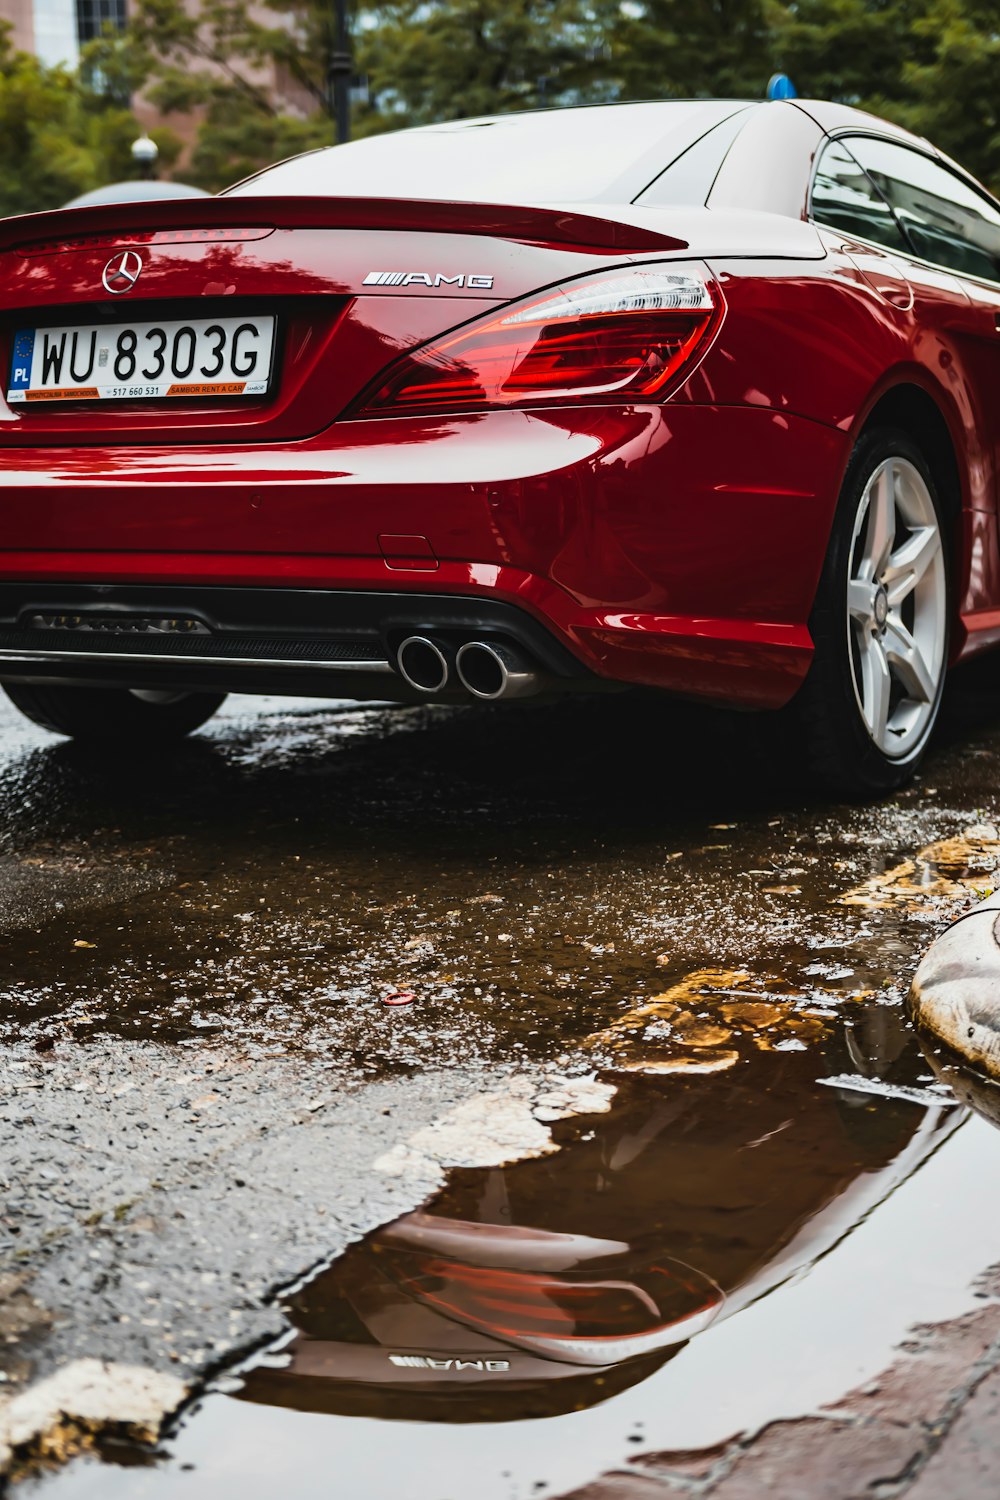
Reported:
(425, 1362)
(424, 278)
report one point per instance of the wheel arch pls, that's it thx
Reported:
(912, 409)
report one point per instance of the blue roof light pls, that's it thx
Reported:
(780, 86)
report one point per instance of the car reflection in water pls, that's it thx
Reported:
(546, 1287)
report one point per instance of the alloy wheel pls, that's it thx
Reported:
(897, 607)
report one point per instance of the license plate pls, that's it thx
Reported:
(145, 361)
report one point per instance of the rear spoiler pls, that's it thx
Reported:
(124, 223)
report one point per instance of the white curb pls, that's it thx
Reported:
(87, 1396)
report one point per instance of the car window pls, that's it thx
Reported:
(689, 179)
(581, 155)
(845, 198)
(945, 219)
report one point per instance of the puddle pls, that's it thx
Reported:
(763, 1197)
(548, 1286)
(710, 1253)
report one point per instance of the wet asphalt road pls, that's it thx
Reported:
(203, 1094)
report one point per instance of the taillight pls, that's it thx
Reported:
(631, 336)
(583, 1321)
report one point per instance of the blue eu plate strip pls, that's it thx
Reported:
(20, 365)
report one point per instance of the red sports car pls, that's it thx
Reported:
(693, 395)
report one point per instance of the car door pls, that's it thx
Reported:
(953, 231)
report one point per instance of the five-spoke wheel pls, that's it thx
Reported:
(897, 605)
(879, 623)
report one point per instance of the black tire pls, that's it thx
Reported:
(839, 750)
(113, 716)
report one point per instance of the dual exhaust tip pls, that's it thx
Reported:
(484, 669)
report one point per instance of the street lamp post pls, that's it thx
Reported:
(339, 75)
(144, 154)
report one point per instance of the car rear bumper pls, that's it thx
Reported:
(673, 547)
(340, 642)
(337, 642)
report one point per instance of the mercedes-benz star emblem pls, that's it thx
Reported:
(122, 273)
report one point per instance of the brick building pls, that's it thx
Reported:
(55, 29)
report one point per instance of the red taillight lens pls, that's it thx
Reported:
(632, 335)
(592, 1321)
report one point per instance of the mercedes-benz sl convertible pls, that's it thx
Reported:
(698, 396)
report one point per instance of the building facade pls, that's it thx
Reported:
(55, 30)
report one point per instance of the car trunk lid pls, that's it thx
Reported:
(351, 283)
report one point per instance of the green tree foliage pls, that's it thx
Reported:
(951, 84)
(854, 51)
(58, 136)
(692, 49)
(444, 60)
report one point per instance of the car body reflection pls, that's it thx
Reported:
(548, 1286)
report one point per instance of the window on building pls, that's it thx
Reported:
(92, 16)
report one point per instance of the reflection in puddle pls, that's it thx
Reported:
(551, 1285)
(972, 1088)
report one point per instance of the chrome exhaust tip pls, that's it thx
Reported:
(489, 672)
(422, 664)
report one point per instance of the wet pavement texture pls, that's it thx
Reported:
(569, 1038)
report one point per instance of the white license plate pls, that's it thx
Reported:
(190, 357)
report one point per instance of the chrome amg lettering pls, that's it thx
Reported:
(478, 281)
(425, 1362)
